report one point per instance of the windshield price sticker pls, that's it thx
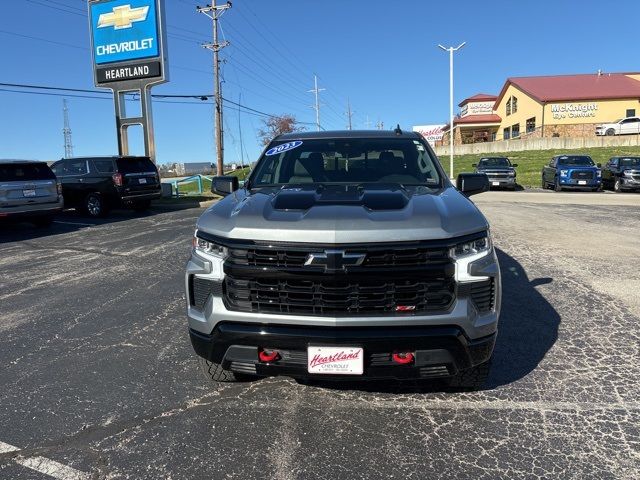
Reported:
(283, 148)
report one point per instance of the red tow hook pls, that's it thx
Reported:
(267, 355)
(403, 358)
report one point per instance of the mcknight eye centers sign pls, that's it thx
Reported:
(127, 40)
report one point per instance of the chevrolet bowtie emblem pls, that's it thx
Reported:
(123, 17)
(335, 260)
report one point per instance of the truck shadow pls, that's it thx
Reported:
(528, 329)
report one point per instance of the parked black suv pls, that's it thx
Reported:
(622, 174)
(96, 184)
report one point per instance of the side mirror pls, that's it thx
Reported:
(224, 185)
(514, 165)
(472, 183)
(599, 165)
(474, 164)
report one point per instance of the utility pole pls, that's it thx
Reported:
(66, 131)
(380, 125)
(349, 113)
(214, 12)
(316, 107)
(451, 129)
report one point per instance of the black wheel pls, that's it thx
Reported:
(43, 222)
(141, 205)
(617, 186)
(610, 132)
(544, 184)
(215, 372)
(471, 379)
(94, 205)
(556, 186)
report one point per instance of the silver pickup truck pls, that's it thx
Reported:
(345, 255)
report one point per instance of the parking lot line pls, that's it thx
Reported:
(75, 223)
(45, 466)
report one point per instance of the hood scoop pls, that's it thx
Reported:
(378, 197)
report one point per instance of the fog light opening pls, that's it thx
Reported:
(267, 355)
(403, 358)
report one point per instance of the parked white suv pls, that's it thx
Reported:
(619, 127)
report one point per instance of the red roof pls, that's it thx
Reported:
(475, 120)
(576, 87)
(489, 118)
(480, 97)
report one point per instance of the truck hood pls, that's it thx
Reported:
(339, 214)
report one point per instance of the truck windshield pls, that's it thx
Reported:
(578, 161)
(630, 162)
(495, 162)
(347, 161)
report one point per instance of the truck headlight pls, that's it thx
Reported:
(564, 173)
(599, 174)
(210, 248)
(470, 254)
(627, 173)
(476, 248)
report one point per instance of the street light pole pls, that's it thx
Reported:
(451, 129)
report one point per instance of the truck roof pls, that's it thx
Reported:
(347, 134)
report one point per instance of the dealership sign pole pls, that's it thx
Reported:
(129, 53)
(451, 128)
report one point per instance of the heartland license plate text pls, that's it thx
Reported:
(335, 360)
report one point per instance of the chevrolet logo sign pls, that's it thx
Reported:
(123, 17)
(335, 260)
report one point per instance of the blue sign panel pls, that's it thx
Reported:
(124, 30)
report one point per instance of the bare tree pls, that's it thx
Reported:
(274, 126)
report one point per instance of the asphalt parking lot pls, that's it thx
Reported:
(99, 379)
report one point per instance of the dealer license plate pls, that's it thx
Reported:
(29, 193)
(582, 182)
(495, 184)
(142, 180)
(335, 360)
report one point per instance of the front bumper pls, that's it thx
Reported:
(440, 351)
(502, 182)
(574, 183)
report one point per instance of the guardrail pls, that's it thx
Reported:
(198, 179)
(175, 185)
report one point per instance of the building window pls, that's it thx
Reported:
(509, 107)
(531, 125)
(515, 130)
(514, 104)
(505, 133)
(631, 112)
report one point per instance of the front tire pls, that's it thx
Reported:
(557, 187)
(610, 132)
(215, 373)
(471, 379)
(617, 186)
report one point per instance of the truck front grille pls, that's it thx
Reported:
(582, 174)
(380, 257)
(338, 297)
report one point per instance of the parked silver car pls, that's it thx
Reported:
(29, 190)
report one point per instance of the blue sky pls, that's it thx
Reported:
(382, 55)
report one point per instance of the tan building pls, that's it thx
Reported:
(563, 105)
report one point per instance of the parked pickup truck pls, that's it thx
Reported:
(572, 172)
(622, 174)
(345, 255)
(500, 170)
